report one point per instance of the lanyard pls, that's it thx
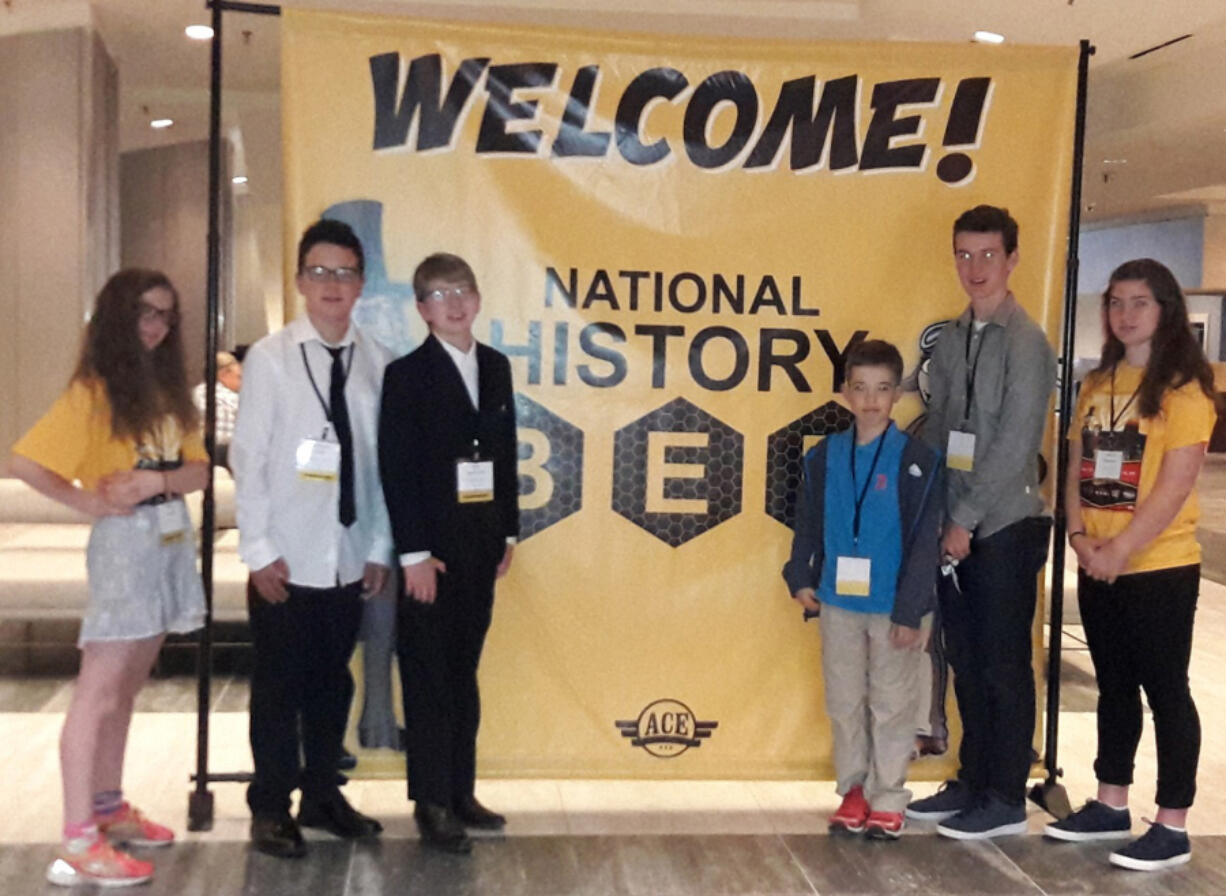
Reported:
(971, 369)
(349, 366)
(1114, 417)
(867, 481)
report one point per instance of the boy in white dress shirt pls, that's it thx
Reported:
(313, 530)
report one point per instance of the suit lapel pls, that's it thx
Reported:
(456, 394)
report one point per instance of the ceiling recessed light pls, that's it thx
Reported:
(1115, 161)
(988, 37)
(239, 179)
(159, 124)
(199, 32)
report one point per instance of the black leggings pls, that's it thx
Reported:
(1140, 634)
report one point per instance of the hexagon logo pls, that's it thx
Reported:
(677, 472)
(550, 466)
(785, 451)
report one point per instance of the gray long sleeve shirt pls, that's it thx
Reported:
(1014, 375)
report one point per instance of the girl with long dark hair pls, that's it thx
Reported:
(122, 445)
(1136, 444)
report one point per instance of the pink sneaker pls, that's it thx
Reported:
(852, 813)
(130, 827)
(884, 826)
(102, 865)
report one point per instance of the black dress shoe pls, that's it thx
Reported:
(440, 829)
(475, 815)
(277, 835)
(334, 814)
(348, 762)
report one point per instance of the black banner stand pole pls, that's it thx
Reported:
(200, 799)
(1051, 795)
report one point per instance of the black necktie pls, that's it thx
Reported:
(344, 435)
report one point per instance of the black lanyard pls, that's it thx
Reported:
(1114, 417)
(855, 533)
(971, 369)
(349, 366)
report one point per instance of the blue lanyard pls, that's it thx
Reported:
(868, 480)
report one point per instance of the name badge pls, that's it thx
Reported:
(1108, 464)
(960, 452)
(851, 576)
(172, 522)
(474, 481)
(319, 460)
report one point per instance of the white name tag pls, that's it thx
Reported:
(960, 452)
(317, 459)
(1108, 464)
(172, 522)
(474, 480)
(851, 576)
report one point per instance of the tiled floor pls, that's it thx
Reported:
(605, 837)
(593, 836)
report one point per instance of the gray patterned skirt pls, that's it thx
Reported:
(142, 582)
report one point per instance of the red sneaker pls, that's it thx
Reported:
(884, 825)
(101, 865)
(130, 827)
(852, 813)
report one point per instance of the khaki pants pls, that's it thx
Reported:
(871, 691)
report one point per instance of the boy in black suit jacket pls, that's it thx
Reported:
(447, 456)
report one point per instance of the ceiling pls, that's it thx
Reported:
(1156, 131)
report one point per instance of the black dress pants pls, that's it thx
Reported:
(1139, 629)
(438, 649)
(301, 689)
(988, 641)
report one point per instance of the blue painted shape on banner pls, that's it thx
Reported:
(385, 308)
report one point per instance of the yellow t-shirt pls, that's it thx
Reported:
(1130, 454)
(74, 439)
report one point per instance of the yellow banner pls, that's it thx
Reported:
(676, 240)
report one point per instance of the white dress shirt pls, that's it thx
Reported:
(466, 364)
(280, 513)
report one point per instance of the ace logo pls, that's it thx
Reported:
(666, 729)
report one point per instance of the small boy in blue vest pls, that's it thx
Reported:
(864, 557)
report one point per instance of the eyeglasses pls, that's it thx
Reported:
(961, 256)
(149, 313)
(441, 295)
(317, 273)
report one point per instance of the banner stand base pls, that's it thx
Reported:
(200, 810)
(1052, 798)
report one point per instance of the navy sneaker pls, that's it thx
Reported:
(1093, 821)
(989, 817)
(952, 798)
(1159, 847)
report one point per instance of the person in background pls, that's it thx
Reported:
(1136, 445)
(122, 445)
(229, 381)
